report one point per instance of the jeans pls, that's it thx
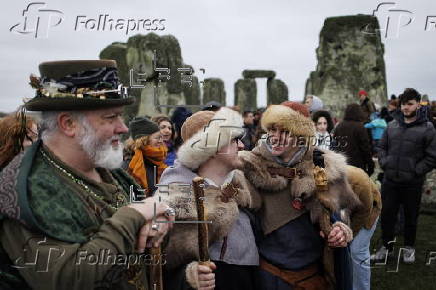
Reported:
(359, 249)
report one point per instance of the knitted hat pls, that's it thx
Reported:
(290, 116)
(297, 107)
(142, 126)
(362, 92)
(205, 133)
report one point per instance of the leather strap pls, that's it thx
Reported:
(294, 278)
(223, 248)
(289, 173)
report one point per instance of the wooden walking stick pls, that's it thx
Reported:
(156, 269)
(203, 240)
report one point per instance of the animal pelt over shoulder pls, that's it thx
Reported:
(339, 195)
(182, 247)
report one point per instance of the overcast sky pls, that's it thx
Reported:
(224, 37)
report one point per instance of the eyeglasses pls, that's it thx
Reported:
(158, 138)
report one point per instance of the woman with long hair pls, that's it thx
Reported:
(16, 133)
(167, 131)
(149, 153)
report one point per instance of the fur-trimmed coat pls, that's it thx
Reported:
(182, 247)
(366, 215)
(278, 192)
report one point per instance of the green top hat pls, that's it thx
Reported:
(77, 85)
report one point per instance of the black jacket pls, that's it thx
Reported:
(353, 141)
(407, 152)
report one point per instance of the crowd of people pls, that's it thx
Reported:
(287, 189)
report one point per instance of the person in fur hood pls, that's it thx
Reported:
(210, 150)
(294, 199)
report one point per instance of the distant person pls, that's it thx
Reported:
(313, 103)
(407, 151)
(14, 137)
(179, 117)
(394, 110)
(249, 134)
(167, 131)
(323, 125)
(366, 104)
(377, 126)
(355, 143)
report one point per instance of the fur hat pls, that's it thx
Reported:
(206, 132)
(196, 122)
(289, 119)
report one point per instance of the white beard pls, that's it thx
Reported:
(102, 153)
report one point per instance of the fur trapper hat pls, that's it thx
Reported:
(205, 133)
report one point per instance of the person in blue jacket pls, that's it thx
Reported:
(377, 126)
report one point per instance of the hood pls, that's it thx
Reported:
(317, 104)
(379, 123)
(421, 117)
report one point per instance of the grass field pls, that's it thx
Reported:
(396, 275)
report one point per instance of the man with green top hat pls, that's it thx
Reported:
(67, 217)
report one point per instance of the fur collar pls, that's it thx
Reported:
(256, 165)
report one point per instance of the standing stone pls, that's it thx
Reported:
(138, 55)
(350, 58)
(192, 93)
(173, 55)
(118, 52)
(252, 74)
(213, 90)
(277, 92)
(246, 94)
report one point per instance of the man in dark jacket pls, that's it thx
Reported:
(366, 104)
(250, 131)
(353, 140)
(407, 151)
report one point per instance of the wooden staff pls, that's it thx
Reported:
(203, 240)
(156, 269)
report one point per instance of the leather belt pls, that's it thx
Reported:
(307, 279)
(289, 173)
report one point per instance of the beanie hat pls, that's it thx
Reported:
(142, 126)
(302, 109)
(362, 92)
(205, 133)
(290, 116)
(179, 116)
